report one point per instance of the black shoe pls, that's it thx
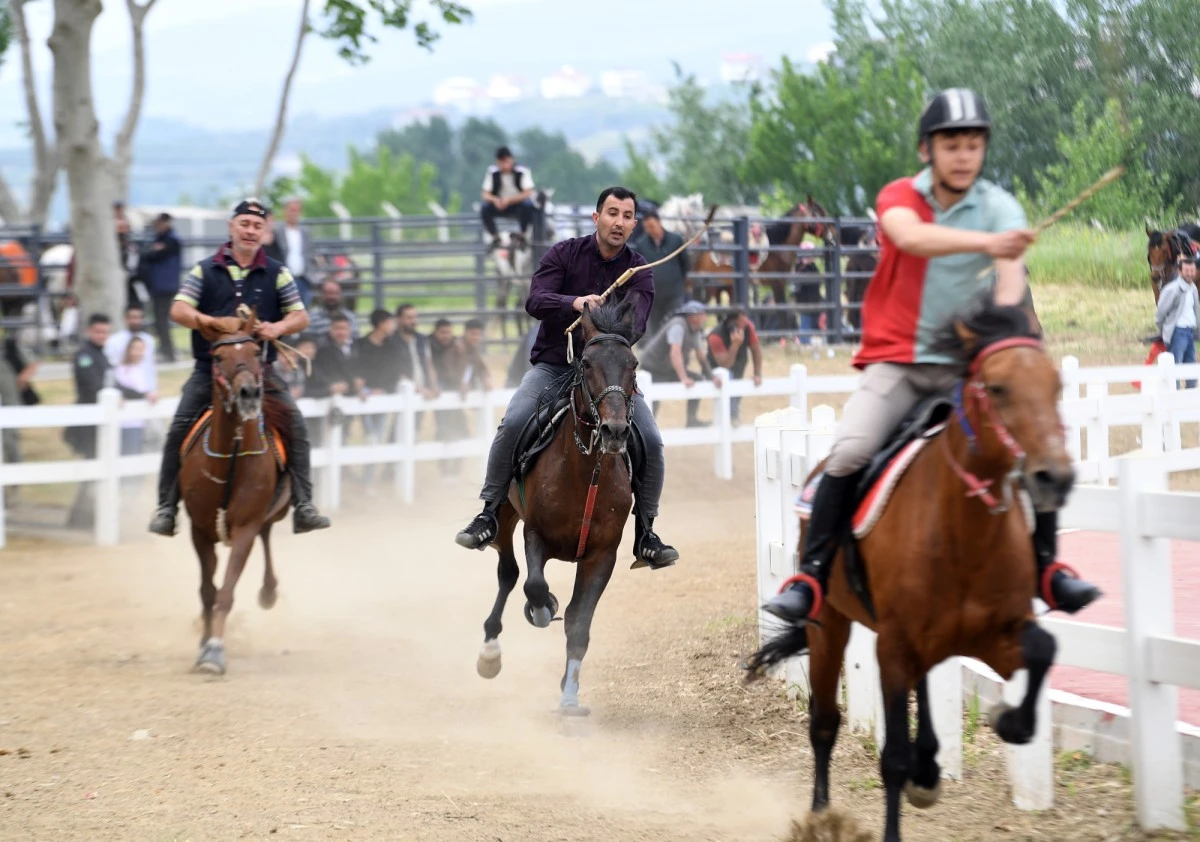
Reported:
(650, 551)
(480, 532)
(164, 521)
(306, 518)
(696, 422)
(1067, 592)
(793, 605)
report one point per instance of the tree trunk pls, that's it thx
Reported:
(99, 276)
(264, 169)
(122, 157)
(45, 158)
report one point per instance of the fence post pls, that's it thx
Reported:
(799, 396)
(1070, 383)
(407, 419)
(1097, 432)
(864, 695)
(377, 263)
(1152, 387)
(443, 231)
(345, 229)
(327, 425)
(1031, 766)
(945, 686)
(835, 289)
(722, 415)
(1149, 612)
(107, 500)
(1165, 400)
(393, 213)
(487, 431)
(645, 385)
(741, 261)
(337, 434)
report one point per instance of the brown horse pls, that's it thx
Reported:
(949, 561)
(779, 263)
(1163, 249)
(231, 477)
(577, 496)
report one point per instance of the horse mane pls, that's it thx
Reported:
(610, 318)
(989, 322)
(277, 416)
(1156, 238)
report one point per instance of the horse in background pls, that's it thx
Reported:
(1163, 249)
(513, 259)
(862, 264)
(790, 234)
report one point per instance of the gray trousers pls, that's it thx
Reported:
(885, 395)
(522, 407)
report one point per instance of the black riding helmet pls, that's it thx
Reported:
(954, 109)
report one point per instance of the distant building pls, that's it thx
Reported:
(628, 84)
(742, 67)
(507, 88)
(567, 83)
(462, 92)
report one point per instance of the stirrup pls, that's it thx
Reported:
(667, 558)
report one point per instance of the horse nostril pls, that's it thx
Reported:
(610, 430)
(1057, 481)
(250, 392)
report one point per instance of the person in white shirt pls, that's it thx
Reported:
(507, 188)
(296, 244)
(1177, 314)
(118, 342)
(131, 378)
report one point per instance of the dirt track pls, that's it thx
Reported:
(352, 710)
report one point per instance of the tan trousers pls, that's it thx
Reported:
(885, 395)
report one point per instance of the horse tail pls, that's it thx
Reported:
(792, 641)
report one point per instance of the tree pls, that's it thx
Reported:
(93, 179)
(640, 177)
(369, 181)
(559, 166)
(345, 23)
(434, 142)
(841, 133)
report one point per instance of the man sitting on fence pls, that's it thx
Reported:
(572, 274)
(239, 273)
(506, 191)
(940, 230)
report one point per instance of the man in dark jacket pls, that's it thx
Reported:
(670, 280)
(90, 368)
(162, 263)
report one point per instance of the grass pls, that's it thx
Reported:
(1079, 255)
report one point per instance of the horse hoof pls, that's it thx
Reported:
(211, 660)
(488, 665)
(920, 797)
(1006, 722)
(541, 617)
(266, 598)
(574, 710)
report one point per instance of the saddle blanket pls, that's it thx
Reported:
(202, 424)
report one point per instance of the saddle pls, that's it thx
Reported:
(542, 427)
(204, 422)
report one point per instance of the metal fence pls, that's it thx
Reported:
(445, 266)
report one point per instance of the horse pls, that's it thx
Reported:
(513, 259)
(859, 268)
(232, 478)
(791, 234)
(584, 468)
(939, 562)
(1163, 249)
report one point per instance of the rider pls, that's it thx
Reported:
(240, 272)
(571, 274)
(939, 231)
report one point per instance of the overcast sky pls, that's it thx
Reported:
(188, 81)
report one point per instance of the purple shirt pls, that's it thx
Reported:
(573, 268)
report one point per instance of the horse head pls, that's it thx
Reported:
(237, 363)
(1160, 254)
(605, 374)
(1009, 402)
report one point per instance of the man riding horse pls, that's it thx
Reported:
(572, 275)
(939, 233)
(239, 273)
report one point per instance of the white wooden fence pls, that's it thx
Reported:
(1146, 652)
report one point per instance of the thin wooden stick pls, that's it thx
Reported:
(1102, 182)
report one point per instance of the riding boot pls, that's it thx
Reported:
(1058, 585)
(802, 599)
(648, 549)
(305, 517)
(481, 531)
(168, 492)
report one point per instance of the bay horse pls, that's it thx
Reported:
(1163, 249)
(232, 479)
(791, 234)
(576, 498)
(949, 560)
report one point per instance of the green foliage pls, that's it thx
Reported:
(1085, 154)
(640, 177)
(369, 181)
(346, 22)
(1078, 254)
(5, 31)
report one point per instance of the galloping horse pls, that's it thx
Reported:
(1163, 248)
(584, 469)
(949, 560)
(232, 477)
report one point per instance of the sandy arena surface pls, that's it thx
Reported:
(352, 710)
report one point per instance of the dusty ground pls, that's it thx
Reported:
(352, 711)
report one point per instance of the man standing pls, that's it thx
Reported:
(161, 266)
(296, 244)
(729, 344)
(666, 355)
(1177, 315)
(506, 191)
(90, 368)
(670, 280)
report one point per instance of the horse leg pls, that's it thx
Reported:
(268, 594)
(925, 784)
(507, 573)
(1038, 648)
(591, 578)
(827, 649)
(207, 553)
(540, 604)
(212, 654)
(895, 677)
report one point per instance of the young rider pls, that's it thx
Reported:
(940, 231)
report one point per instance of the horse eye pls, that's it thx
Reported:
(634, 364)
(997, 391)
(585, 362)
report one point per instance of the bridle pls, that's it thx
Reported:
(229, 399)
(971, 393)
(579, 387)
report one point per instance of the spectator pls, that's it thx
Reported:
(413, 352)
(666, 355)
(729, 344)
(90, 368)
(269, 243)
(326, 308)
(126, 252)
(475, 371)
(296, 243)
(447, 355)
(16, 389)
(159, 268)
(670, 280)
(807, 292)
(1178, 314)
(506, 191)
(130, 375)
(377, 366)
(135, 328)
(332, 373)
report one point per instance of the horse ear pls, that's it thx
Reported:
(628, 313)
(965, 335)
(585, 321)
